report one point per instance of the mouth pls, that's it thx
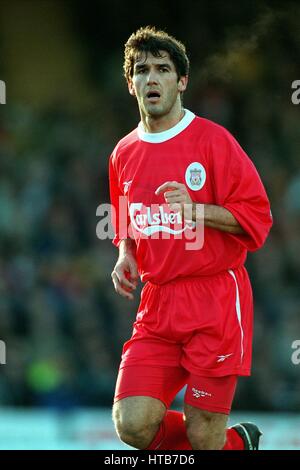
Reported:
(153, 96)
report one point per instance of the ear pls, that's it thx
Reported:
(131, 88)
(182, 83)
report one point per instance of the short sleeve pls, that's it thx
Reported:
(240, 190)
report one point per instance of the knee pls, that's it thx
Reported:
(206, 438)
(134, 433)
(136, 430)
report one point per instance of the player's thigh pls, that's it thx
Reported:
(205, 429)
(203, 419)
(208, 403)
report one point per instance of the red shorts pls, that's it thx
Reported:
(214, 394)
(200, 325)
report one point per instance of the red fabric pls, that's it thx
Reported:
(214, 394)
(233, 440)
(171, 434)
(162, 383)
(137, 168)
(194, 324)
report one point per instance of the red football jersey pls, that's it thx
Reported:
(209, 161)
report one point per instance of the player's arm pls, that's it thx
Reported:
(219, 218)
(125, 273)
(178, 198)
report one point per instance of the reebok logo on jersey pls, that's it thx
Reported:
(126, 186)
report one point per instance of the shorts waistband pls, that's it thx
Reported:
(194, 278)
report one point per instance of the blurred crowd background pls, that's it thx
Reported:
(66, 107)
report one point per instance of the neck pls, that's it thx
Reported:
(153, 124)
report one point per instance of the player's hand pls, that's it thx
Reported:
(176, 195)
(125, 275)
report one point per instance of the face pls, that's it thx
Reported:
(155, 84)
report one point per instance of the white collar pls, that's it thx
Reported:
(158, 137)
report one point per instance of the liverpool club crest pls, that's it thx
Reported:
(195, 176)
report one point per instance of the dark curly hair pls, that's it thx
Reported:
(149, 39)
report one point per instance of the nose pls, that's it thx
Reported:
(152, 77)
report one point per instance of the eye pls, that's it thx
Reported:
(164, 69)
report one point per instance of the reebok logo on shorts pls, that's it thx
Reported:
(200, 393)
(222, 358)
